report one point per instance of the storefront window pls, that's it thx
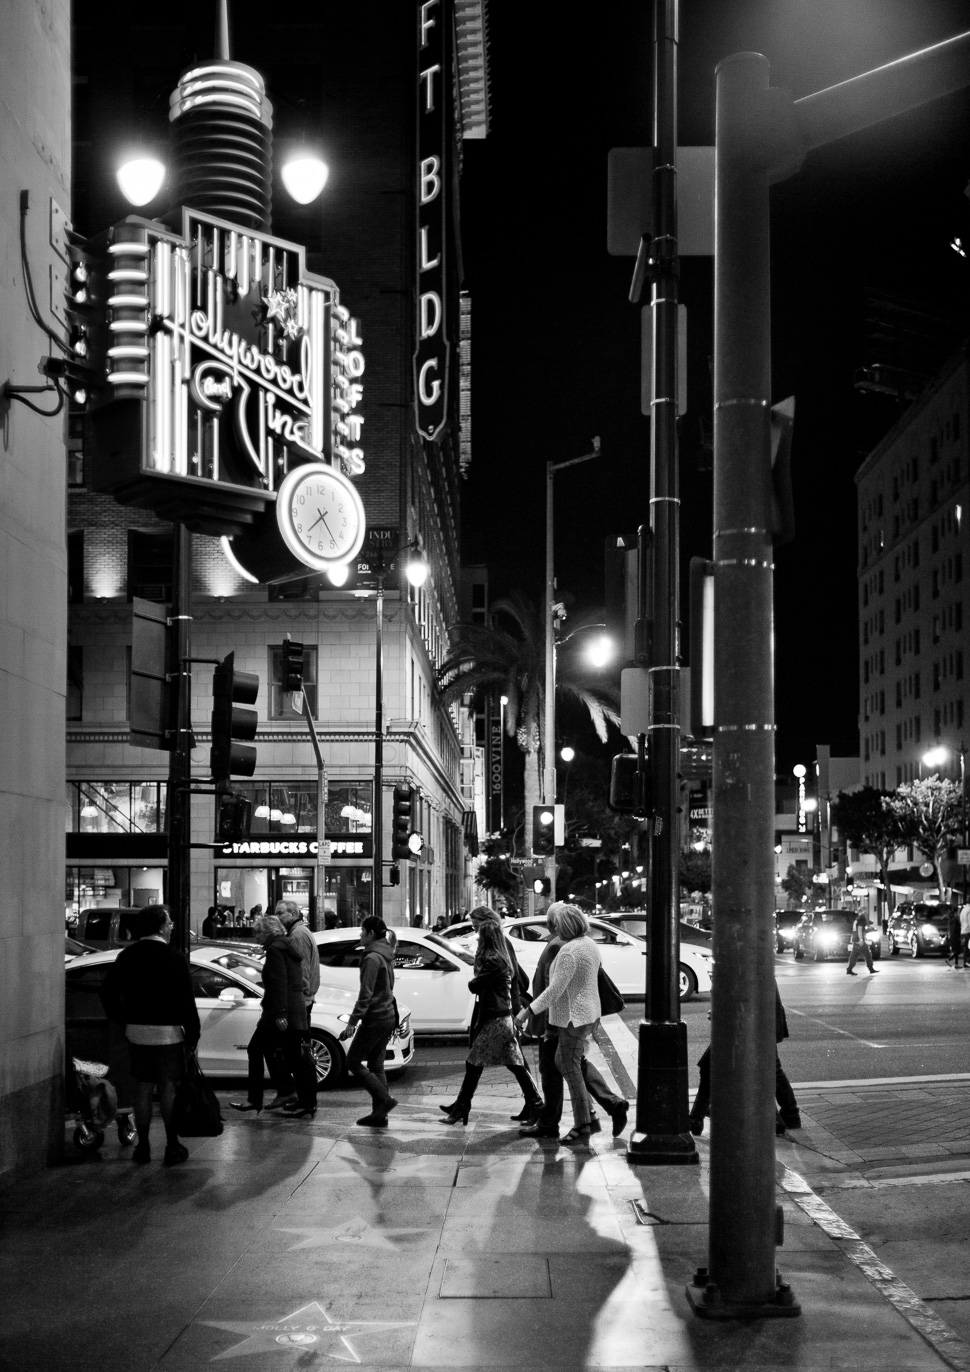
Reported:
(291, 808)
(242, 893)
(103, 888)
(116, 807)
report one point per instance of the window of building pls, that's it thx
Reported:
(280, 702)
(116, 807)
(75, 681)
(150, 565)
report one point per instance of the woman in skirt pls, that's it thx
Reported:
(494, 1043)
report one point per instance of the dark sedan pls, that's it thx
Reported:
(827, 934)
(919, 929)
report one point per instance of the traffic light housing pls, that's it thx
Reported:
(233, 819)
(292, 665)
(630, 790)
(401, 819)
(232, 693)
(543, 830)
(542, 886)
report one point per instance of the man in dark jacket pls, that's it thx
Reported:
(546, 1125)
(148, 992)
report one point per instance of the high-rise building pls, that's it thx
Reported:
(391, 104)
(914, 585)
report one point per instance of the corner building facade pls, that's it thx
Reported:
(362, 85)
(914, 585)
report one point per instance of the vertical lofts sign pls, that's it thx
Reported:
(434, 86)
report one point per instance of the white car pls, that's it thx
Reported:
(624, 954)
(429, 973)
(228, 997)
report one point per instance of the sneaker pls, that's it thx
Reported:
(850, 974)
(142, 1153)
(174, 1154)
(873, 971)
(620, 1113)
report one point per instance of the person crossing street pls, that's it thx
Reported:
(859, 945)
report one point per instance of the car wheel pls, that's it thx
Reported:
(893, 947)
(915, 947)
(687, 982)
(329, 1059)
(86, 1138)
(799, 951)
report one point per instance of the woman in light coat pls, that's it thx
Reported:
(573, 1005)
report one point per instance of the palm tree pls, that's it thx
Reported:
(509, 656)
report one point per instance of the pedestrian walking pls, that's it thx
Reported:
(148, 992)
(859, 944)
(291, 917)
(954, 936)
(965, 932)
(787, 1116)
(492, 1033)
(573, 1004)
(281, 1026)
(374, 1018)
(546, 1125)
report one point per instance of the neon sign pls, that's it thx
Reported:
(431, 339)
(245, 362)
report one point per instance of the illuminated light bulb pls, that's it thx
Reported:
(261, 812)
(338, 574)
(416, 571)
(276, 815)
(288, 819)
(140, 179)
(305, 177)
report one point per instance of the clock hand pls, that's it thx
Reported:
(317, 520)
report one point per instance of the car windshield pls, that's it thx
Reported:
(450, 948)
(241, 963)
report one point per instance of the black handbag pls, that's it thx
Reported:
(611, 1001)
(197, 1112)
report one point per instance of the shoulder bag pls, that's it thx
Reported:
(197, 1112)
(611, 1001)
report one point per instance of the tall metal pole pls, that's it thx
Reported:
(377, 817)
(180, 757)
(549, 731)
(661, 1134)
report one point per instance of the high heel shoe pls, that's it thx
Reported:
(459, 1115)
(447, 1109)
(243, 1106)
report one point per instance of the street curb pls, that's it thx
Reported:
(618, 1045)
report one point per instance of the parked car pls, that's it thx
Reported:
(635, 922)
(786, 922)
(73, 948)
(623, 953)
(919, 929)
(431, 974)
(108, 927)
(229, 1006)
(827, 934)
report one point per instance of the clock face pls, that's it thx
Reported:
(320, 515)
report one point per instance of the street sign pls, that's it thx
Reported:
(324, 851)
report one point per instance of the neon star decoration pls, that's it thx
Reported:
(282, 305)
(310, 1327)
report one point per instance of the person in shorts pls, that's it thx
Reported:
(148, 992)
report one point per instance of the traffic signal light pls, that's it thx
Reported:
(394, 876)
(232, 693)
(630, 792)
(82, 371)
(232, 823)
(543, 831)
(401, 823)
(292, 665)
(542, 886)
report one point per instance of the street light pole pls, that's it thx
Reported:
(549, 729)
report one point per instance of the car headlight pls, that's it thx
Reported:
(787, 933)
(873, 936)
(404, 1028)
(828, 936)
(930, 931)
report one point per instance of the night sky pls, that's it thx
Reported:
(556, 344)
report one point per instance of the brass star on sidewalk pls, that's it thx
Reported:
(357, 1232)
(309, 1327)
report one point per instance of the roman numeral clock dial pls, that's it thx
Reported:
(320, 516)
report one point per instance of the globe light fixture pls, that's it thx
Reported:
(601, 651)
(567, 754)
(416, 570)
(140, 179)
(936, 757)
(304, 176)
(338, 574)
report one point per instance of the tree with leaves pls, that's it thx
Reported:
(798, 883)
(867, 821)
(930, 811)
(508, 657)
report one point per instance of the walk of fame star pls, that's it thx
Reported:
(357, 1232)
(304, 1328)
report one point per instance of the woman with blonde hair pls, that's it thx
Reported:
(494, 1043)
(573, 1004)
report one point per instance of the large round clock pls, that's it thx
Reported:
(320, 515)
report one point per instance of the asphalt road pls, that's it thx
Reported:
(911, 1019)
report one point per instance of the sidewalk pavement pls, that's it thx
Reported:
(301, 1244)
